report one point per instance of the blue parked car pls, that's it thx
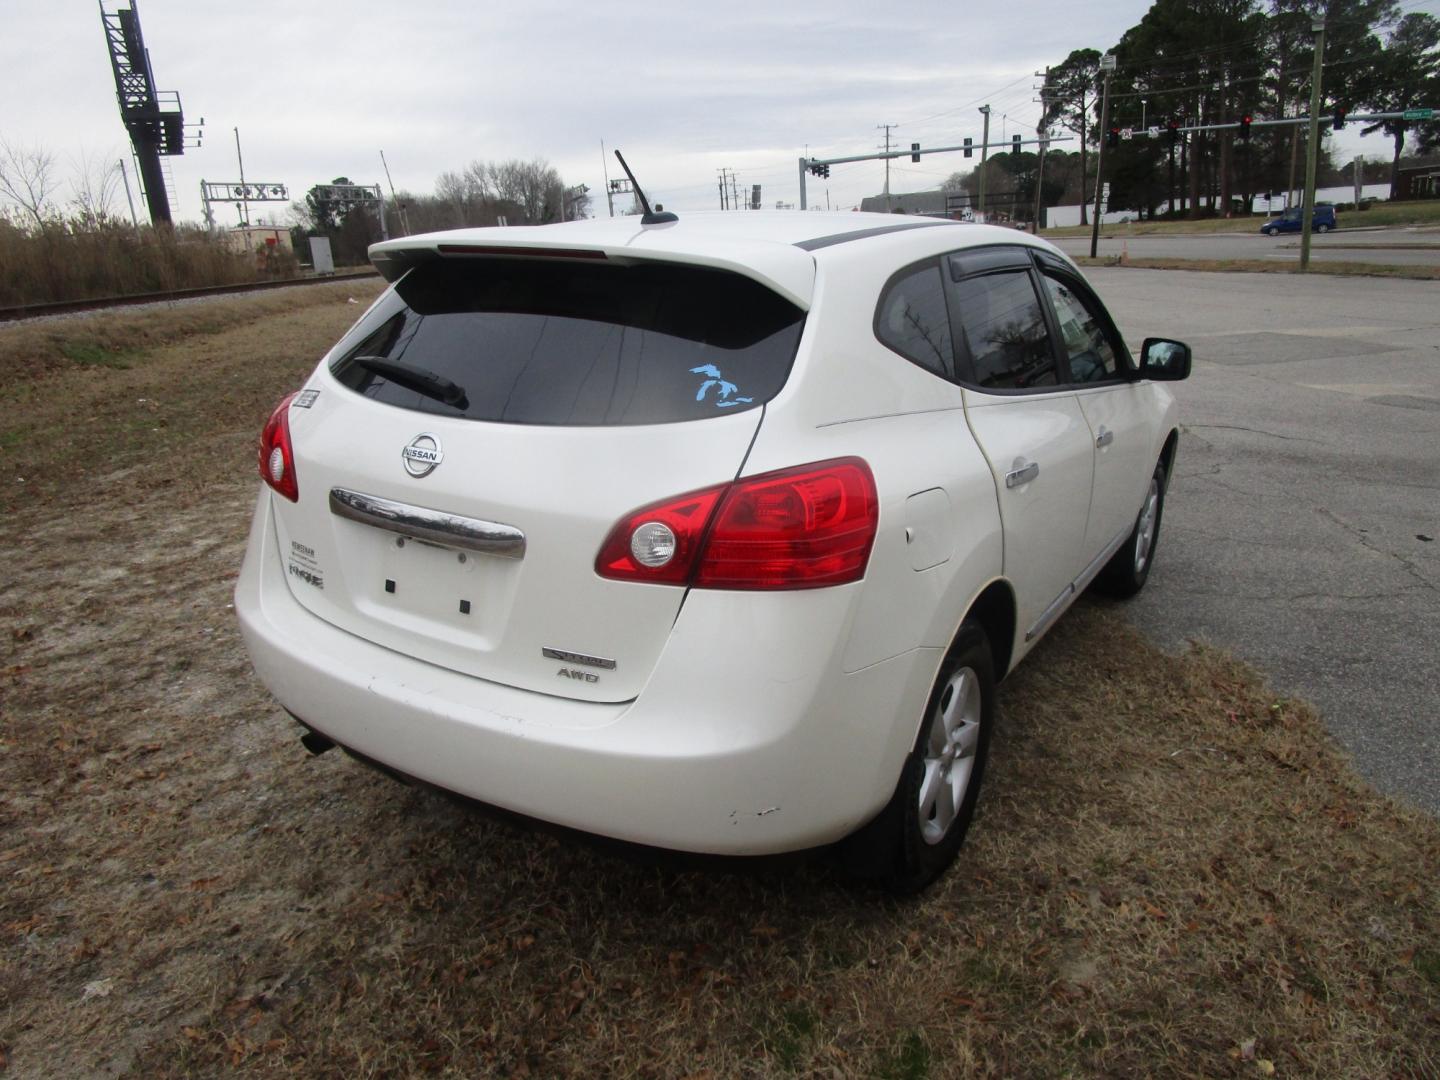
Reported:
(1322, 221)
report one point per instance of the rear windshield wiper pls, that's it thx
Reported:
(417, 379)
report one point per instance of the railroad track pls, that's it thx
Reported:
(66, 307)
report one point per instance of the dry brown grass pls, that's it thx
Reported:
(1174, 873)
(118, 338)
(98, 390)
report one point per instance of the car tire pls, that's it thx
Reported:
(1322, 228)
(1270, 232)
(1126, 572)
(916, 837)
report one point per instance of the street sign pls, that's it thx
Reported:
(1153, 131)
(1418, 114)
(1127, 133)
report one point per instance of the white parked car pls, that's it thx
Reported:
(714, 535)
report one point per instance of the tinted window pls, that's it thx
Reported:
(913, 321)
(1004, 332)
(1092, 357)
(532, 342)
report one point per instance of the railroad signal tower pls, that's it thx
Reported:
(153, 118)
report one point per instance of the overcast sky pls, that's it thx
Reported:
(318, 90)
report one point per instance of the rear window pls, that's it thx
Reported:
(532, 342)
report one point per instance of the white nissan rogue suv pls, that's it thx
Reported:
(712, 534)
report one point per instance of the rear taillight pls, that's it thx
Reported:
(800, 528)
(635, 550)
(277, 456)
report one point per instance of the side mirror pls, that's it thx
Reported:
(1161, 358)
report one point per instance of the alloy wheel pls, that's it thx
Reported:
(949, 753)
(1145, 529)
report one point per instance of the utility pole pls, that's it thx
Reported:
(404, 218)
(1107, 65)
(887, 128)
(724, 195)
(1172, 180)
(136, 221)
(605, 168)
(1312, 148)
(244, 205)
(984, 153)
(1040, 130)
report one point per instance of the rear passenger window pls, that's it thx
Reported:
(1092, 357)
(1003, 329)
(913, 321)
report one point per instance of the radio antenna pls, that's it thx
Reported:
(651, 217)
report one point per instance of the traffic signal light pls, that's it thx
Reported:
(968, 147)
(914, 151)
(1172, 131)
(822, 171)
(1340, 113)
(1015, 144)
(1112, 137)
(1245, 126)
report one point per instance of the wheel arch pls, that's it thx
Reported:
(1167, 453)
(994, 610)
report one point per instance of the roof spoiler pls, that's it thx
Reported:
(392, 262)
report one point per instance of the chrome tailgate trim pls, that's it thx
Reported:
(436, 526)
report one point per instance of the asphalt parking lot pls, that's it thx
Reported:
(1303, 527)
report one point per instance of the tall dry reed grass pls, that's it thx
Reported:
(75, 260)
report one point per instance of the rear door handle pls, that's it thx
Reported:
(1105, 437)
(1022, 475)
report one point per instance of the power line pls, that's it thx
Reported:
(961, 108)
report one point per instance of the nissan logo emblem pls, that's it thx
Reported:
(422, 455)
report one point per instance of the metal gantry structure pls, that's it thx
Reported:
(153, 118)
(241, 194)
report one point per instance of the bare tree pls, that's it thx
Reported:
(27, 178)
(95, 187)
(479, 182)
(533, 186)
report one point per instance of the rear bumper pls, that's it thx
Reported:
(748, 738)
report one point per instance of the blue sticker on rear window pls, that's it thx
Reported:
(727, 393)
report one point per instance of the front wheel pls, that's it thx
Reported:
(919, 833)
(1125, 574)
(1322, 228)
(1270, 232)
